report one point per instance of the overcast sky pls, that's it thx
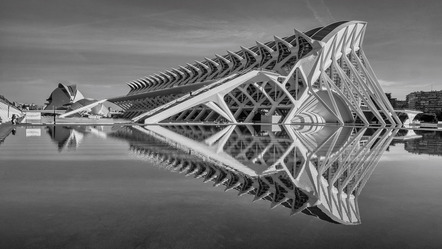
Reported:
(102, 44)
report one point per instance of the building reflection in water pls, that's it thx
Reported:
(70, 137)
(430, 143)
(420, 141)
(315, 170)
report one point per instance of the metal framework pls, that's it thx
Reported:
(320, 76)
(316, 170)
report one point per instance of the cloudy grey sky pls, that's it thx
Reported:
(102, 44)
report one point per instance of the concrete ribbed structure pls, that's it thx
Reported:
(318, 76)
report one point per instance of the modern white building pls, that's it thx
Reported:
(318, 76)
(69, 98)
(63, 96)
(7, 110)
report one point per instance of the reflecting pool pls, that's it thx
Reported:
(219, 186)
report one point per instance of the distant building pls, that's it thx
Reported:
(429, 102)
(395, 103)
(63, 96)
(401, 104)
(31, 106)
(70, 98)
(392, 100)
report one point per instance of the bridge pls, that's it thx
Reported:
(315, 170)
(409, 116)
(318, 76)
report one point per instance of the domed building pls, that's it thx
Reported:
(63, 96)
(69, 98)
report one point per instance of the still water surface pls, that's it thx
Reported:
(121, 187)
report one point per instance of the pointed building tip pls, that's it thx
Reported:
(247, 50)
(297, 31)
(256, 198)
(275, 37)
(303, 35)
(273, 205)
(185, 69)
(294, 211)
(216, 184)
(189, 174)
(269, 49)
(229, 187)
(202, 64)
(190, 65)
